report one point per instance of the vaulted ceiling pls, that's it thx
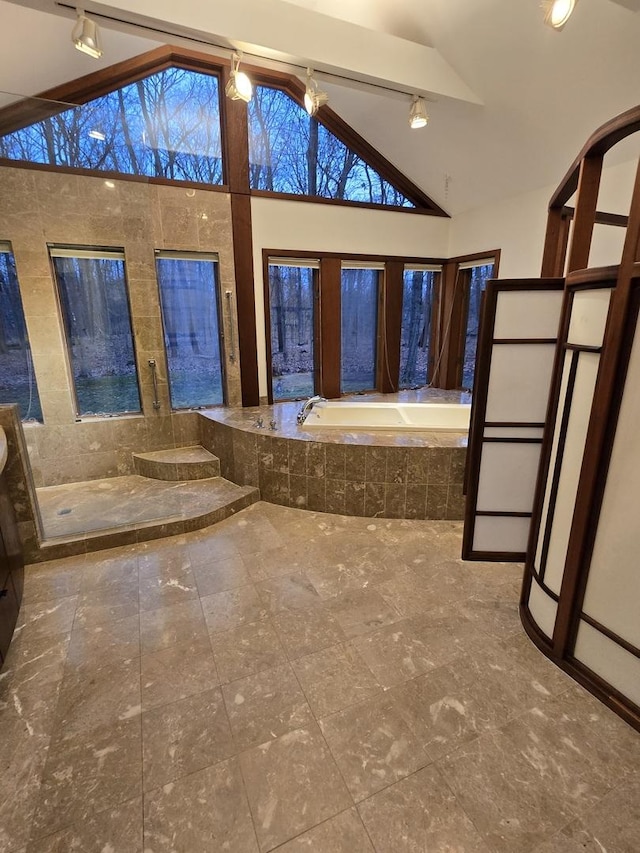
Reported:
(511, 101)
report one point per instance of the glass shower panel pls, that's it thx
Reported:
(189, 300)
(359, 330)
(17, 378)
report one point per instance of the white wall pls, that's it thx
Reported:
(282, 224)
(517, 226)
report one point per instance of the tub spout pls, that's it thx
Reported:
(307, 406)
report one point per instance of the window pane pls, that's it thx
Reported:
(417, 301)
(291, 307)
(95, 308)
(290, 152)
(359, 329)
(165, 126)
(477, 283)
(189, 299)
(17, 379)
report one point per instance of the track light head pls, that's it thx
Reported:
(86, 36)
(239, 87)
(558, 12)
(418, 116)
(314, 98)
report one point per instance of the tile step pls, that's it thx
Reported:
(177, 464)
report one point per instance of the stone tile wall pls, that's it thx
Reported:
(39, 207)
(350, 479)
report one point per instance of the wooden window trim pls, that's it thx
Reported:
(91, 86)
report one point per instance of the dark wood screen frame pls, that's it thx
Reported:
(486, 342)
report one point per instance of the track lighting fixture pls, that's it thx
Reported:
(314, 98)
(239, 87)
(418, 113)
(558, 12)
(86, 36)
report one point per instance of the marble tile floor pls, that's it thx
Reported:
(297, 682)
(76, 508)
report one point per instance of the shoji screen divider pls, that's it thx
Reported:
(516, 351)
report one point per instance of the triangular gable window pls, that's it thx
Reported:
(292, 153)
(166, 126)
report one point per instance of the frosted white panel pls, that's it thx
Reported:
(527, 314)
(513, 432)
(613, 587)
(507, 477)
(588, 317)
(571, 464)
(609, 660)
(494, 533)
(543, 609)
(519, 381)
(554, 455)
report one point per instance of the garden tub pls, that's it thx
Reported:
(347, 415)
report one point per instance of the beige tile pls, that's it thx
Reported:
(177, 625)
(53, 580)
(373, 746)
(343, 833)
(246, 650)
(361, 612)
(292, 784)
(169, 587)
(266, 705)
(177, 672)
(204, 811)
(117, 639)
(97, 695)
(118, 830)
(420, 814)
(334, 678)
(504, 796)
(95, 771)
(47, 618)
(232, 608)
(288, 592)
(305, 631)
(220, 575)
(183, 737)
(404, 650)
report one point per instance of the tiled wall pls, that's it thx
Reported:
(351, 479)
(40, 207)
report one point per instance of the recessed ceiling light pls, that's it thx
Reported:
(97, 134)
(110, 185)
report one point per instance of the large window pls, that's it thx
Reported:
(165, 126)
(17, 379)
(95, 310)
(474, 276)
(292, 288)
(189, 297)
(291, 152)
(417, 305)
(359, 326)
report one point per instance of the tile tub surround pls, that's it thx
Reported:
(170, 697)
(414, 475)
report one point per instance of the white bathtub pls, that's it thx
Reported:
(388, 416)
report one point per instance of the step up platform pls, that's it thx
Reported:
(179, 464)
(97, 514)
